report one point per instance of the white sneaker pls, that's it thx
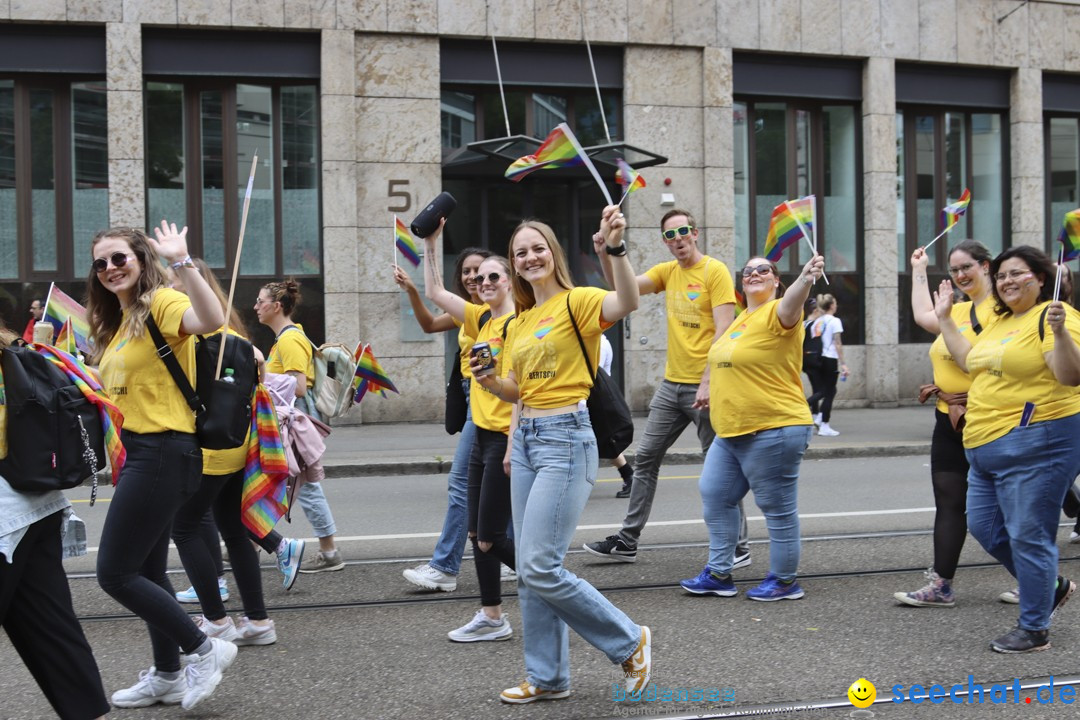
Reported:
(481, 627)
(817, 418)
(248, 633)
(204, 674)
(1074, 537)
(431, 578)
(827, 431)
(1012, 597)
(190, 597)
(151, 690)
(507, 574)
(226, 631)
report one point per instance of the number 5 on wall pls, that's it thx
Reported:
(404, 195)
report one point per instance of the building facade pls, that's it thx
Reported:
(124, 112)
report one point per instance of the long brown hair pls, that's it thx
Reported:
(103, 309)
(6, 336)
(524, 298)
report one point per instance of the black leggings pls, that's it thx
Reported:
(824, 384)
(948, 471)
(162, 471)
(489, 512)
(36, 612)
(222, 493)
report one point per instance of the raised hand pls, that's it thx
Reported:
(402, 279)
(943, 300)
(170, 243)
(919, 259)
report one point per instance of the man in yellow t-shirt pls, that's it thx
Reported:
(699, 296)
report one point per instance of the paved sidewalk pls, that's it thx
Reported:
(425, 448)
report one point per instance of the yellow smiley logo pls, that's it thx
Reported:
(862, 693)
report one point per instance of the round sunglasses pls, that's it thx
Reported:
(118, 260)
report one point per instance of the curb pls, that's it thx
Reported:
(673, 457)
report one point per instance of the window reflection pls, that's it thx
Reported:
(9, 247)
(42, 180)
(165, 153)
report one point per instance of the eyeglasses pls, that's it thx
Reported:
(682, 231)
(263, 301)
(492, 278)
(759, 269)
(1011, 275)
(118, 259)
(965, 268)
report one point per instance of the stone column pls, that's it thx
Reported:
(881, 367)
(1026, 147)
(123, 72)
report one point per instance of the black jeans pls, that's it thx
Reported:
(162, 471)
(824, 385)
(489, 512)
(222, 493)
(36, 612)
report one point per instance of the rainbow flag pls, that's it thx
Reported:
(60, 306)
(264, 499)
(405, 243)
(1070, 235)
(629, 178)
(784, 229)
(370, 377)
(950, 215)
(112, 420)
(65, 340)
(740, 303)
(557, 151)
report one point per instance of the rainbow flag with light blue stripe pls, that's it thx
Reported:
(784, 230)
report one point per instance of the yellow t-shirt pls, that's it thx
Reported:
(756, 382)
(690, 296)
(465, 343)
(947, 374)
(1008, 369)
(488, 411)
(225, 462)
(292, 352)
(544, 352)
(138, 381)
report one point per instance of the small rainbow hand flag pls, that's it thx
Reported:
(558, 151)
(405, 243)
(629, 178)
(1070, 235)
(65, 339)
(370, 377)
(784, 227)
(951, 214)
(60, 307)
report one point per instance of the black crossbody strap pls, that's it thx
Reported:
(577, 332)
(975, 321)
(164, 351)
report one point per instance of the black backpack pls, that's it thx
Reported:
(54, 434)
(811, 348)
(222, 408)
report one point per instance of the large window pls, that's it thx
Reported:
(787, 149)
(1063, 171)
(940, 153)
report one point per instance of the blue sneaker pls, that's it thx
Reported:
(772, 589)
(288, 561)
(189, 596)
(708, 584)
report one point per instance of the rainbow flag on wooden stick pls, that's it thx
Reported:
(60, 307)
(405, 243)
(790, 221)
(560, 150)
(65, 339)
(1070, 235)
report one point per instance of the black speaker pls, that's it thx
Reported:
(427, 221)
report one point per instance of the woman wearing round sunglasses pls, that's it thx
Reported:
(1022, 421)
(763, 427)
(554, 456)
(489, 483)
(126, 288)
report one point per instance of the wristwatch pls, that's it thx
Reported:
(617, 251)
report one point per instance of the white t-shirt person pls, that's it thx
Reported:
(606, 353)
(828, 327)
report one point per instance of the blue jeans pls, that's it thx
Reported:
(766, 462)
(1015, 489)
(316, 509)
(553, 470)
(451, 545)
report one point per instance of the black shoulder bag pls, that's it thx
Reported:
(609, 414)
(457, 405)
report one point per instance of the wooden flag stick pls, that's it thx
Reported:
(236, 263)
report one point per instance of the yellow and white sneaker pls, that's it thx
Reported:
(527, 693)
(638, 667)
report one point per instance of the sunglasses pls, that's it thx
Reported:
(682, 231)
(759, 269)
(492, 278)
(118, 259)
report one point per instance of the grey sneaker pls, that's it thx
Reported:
(1022, 641)
(431, 578)
(1012, 597)
(226, 631)
(204, 675)
(151, 690)
(480, 628)
(323, 563)
(613, 548)
(248, 633)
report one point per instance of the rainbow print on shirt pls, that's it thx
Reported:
(496, 344)
(741, 329)
(544, 328)
(693, 291)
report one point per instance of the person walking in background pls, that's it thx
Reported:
(626, 470)
(37, 311)
(829, 328)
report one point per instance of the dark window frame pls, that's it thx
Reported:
(1053, 224)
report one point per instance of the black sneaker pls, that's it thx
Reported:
(625, 491)
(742, 559)
(1064, 590)
(612, 547)
(1022, 641)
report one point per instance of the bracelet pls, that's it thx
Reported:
(186, 262)
(617, 251)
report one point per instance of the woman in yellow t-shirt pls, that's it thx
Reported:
(763, 427)
(488, 482)
(441, 571)
(969, 266)
(293, 354)
(553, 456)
(127, 287)
(1020, 433)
